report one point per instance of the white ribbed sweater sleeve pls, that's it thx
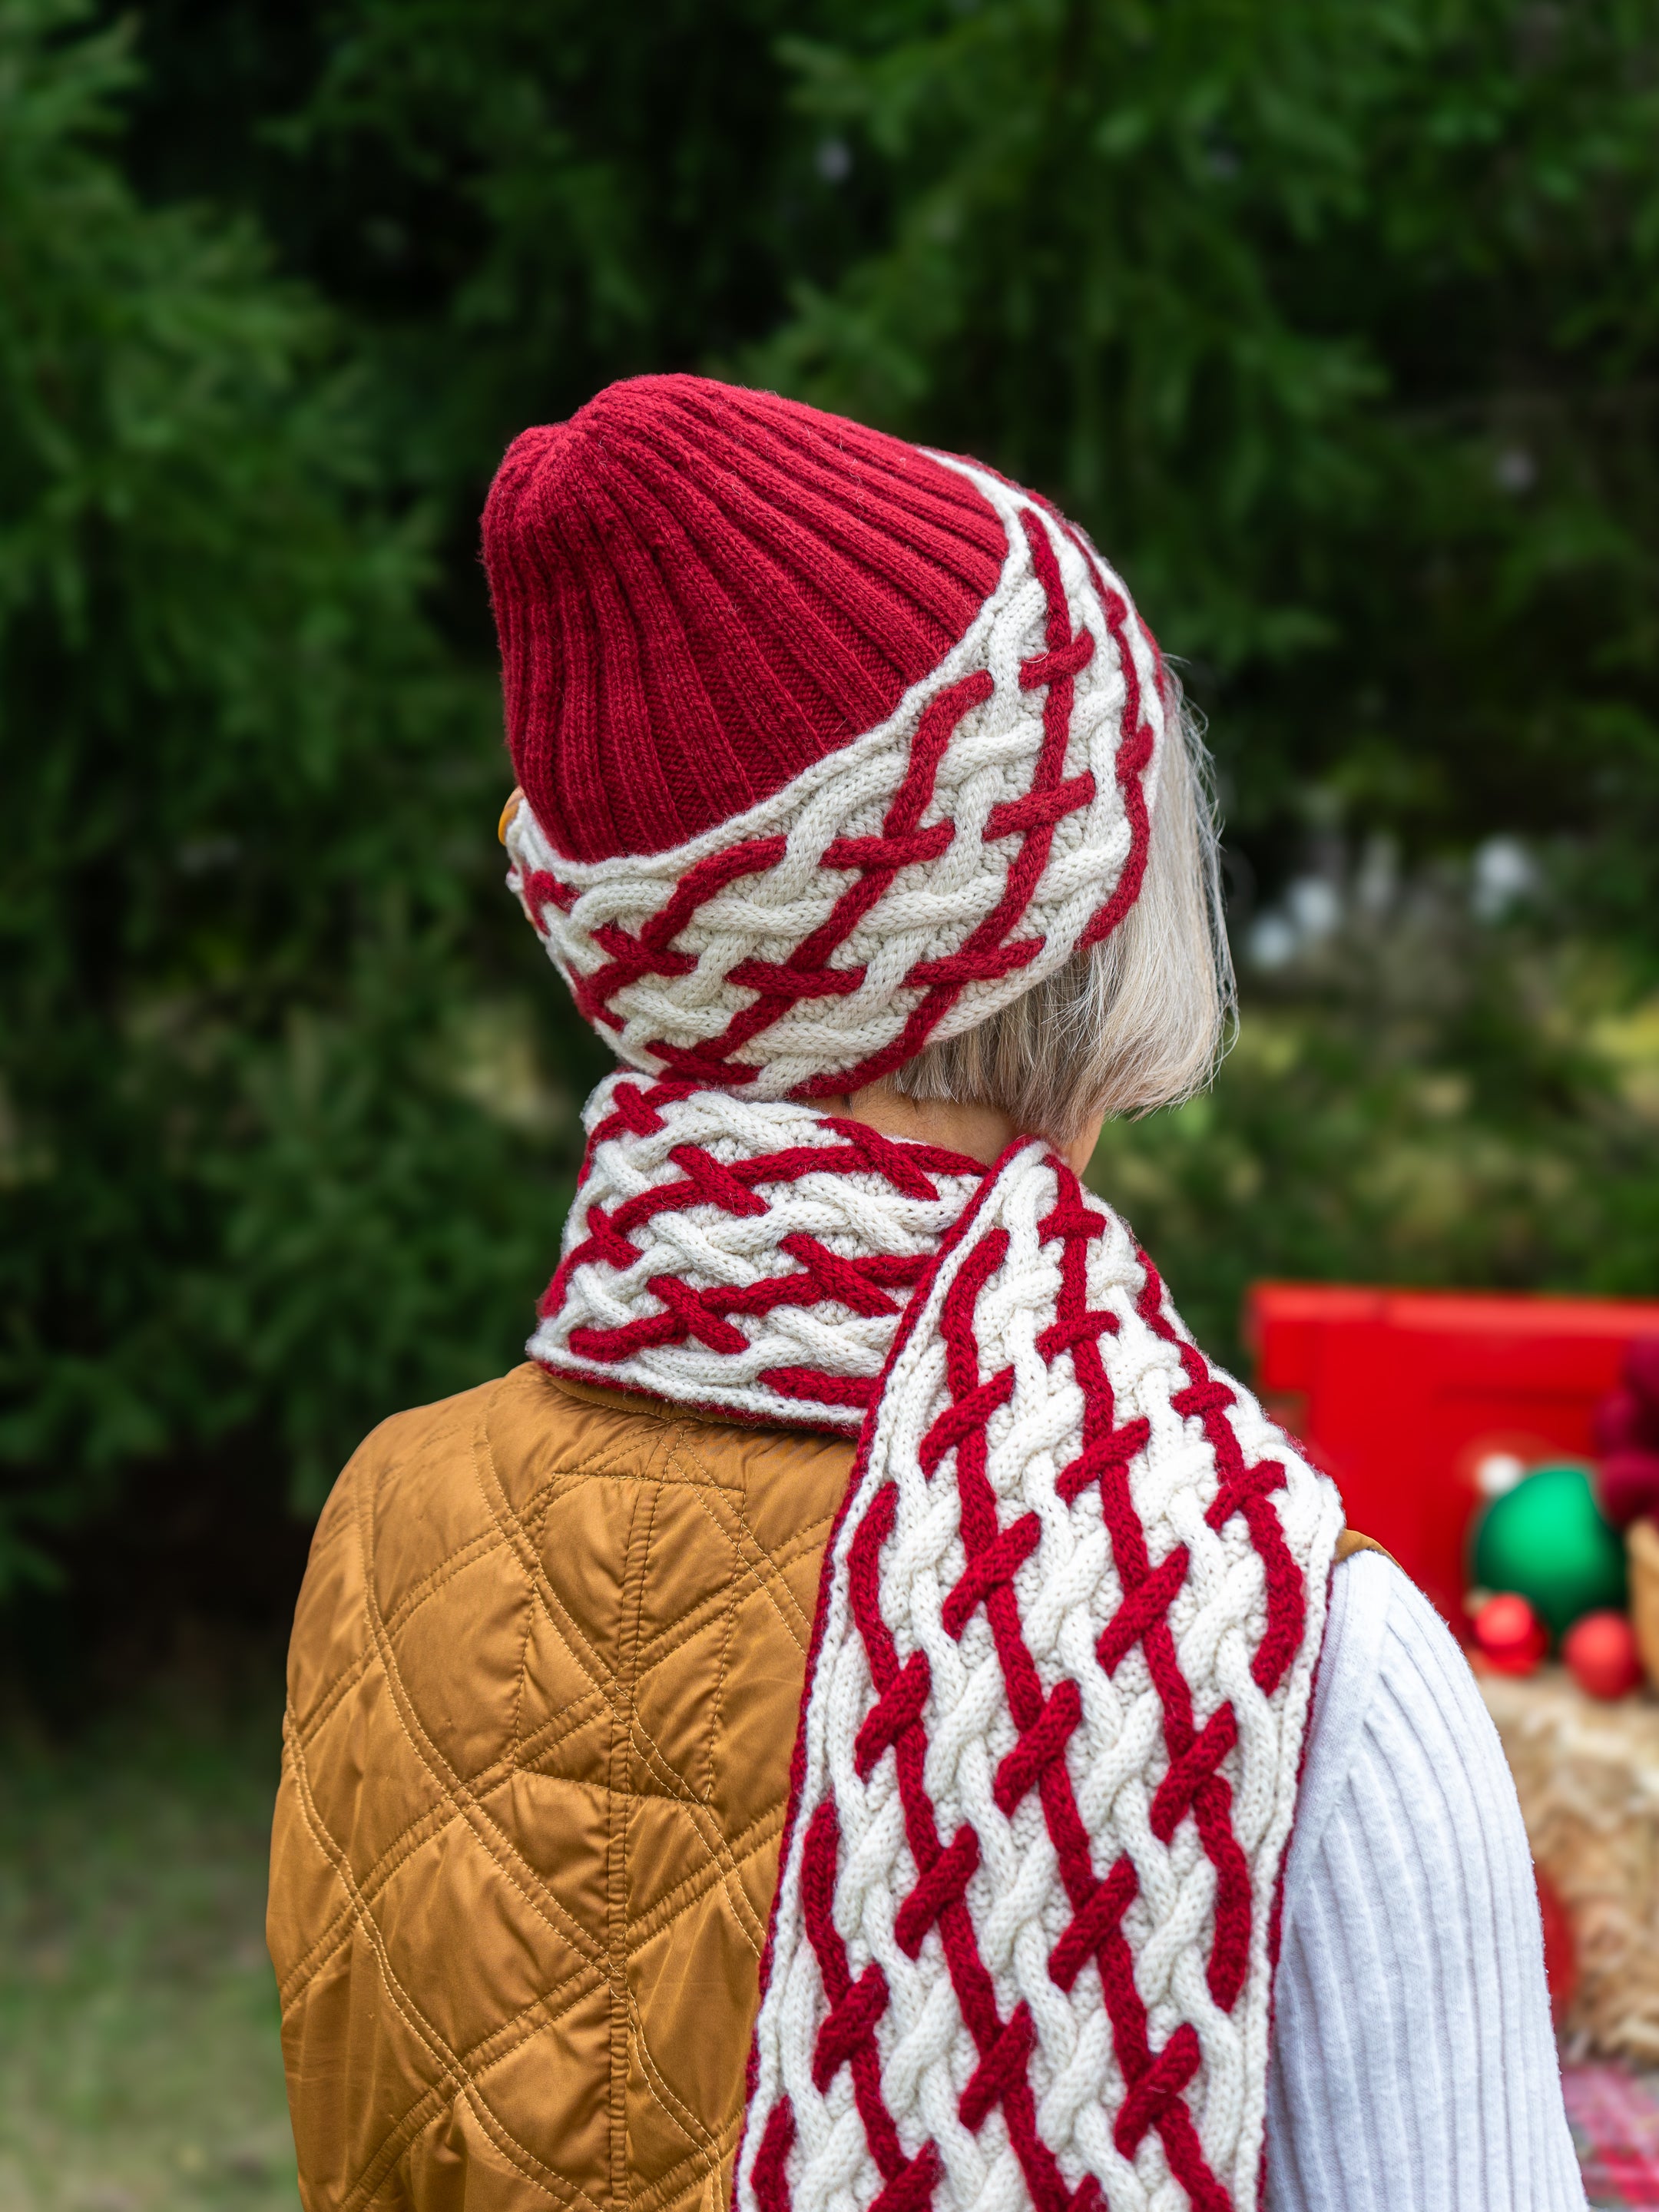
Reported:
(1413, 2065)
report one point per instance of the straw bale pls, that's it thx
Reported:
(1641, 1542)
(1587, 1774)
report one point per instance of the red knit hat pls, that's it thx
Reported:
(830, 744)
(700, 590)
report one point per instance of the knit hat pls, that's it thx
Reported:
(830, 745)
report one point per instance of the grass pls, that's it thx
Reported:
(139, 2061)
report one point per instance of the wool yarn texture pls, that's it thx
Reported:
(1022, 1946)
(905, 886)
(746, 1257)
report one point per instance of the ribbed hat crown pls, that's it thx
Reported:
(700, 591)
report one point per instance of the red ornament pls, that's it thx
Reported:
(1624, 1422)
(1629, 1485)
(1602, 1654)
(1508, 1635)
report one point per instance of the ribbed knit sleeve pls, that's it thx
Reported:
(1413, 2064)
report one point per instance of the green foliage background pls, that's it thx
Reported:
(1336, 320)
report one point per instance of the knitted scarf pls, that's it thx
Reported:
(1022, 1942)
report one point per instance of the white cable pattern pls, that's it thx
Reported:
(928, 908)
(820, 2155)
(855, 1212)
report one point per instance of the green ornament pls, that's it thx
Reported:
(1547, 1540)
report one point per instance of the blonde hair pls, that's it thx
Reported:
(1137, 1022)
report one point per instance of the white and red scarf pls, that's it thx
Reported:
(1022, 1943)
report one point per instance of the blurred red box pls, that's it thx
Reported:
(1401, 1395)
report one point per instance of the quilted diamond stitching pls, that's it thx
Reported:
(461, 2072)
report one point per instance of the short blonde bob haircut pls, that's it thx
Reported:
(1136, 1023)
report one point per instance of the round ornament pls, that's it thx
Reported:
(1624, 1422)
(1509, 1634)
(1602, 1654)
(1629, 1485)
(1549, 1540)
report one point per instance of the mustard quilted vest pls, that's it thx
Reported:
(542, 1699)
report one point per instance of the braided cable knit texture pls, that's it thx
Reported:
(1022, 1946)
(905, 887)
(750, 1256)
